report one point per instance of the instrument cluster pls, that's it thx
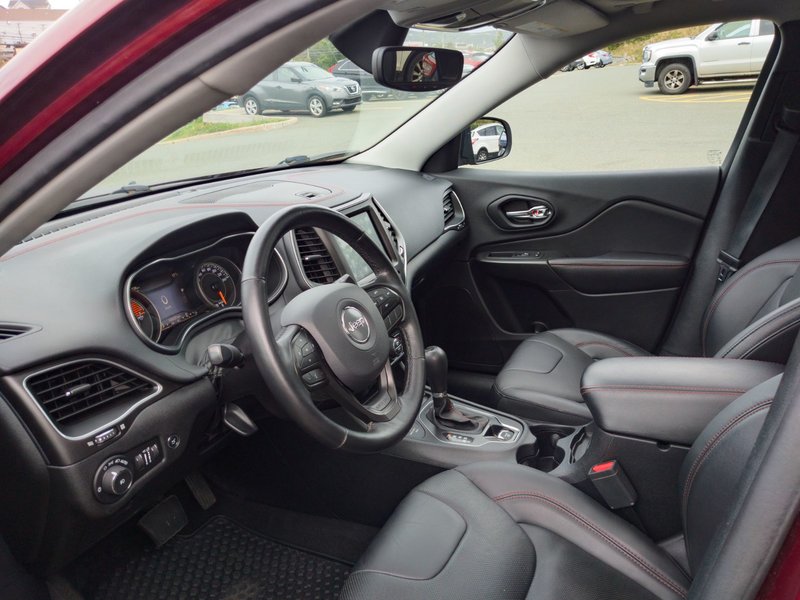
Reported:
(169, 296)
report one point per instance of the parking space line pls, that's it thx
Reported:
(721, 98)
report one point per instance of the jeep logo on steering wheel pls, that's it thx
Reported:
(355, 325)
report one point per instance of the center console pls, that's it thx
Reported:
(647, 411)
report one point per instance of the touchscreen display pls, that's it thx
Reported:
(358, 267)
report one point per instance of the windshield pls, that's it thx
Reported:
(309, 72)
(317, 106)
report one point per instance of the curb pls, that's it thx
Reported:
(266, 127)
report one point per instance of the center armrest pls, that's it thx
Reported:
(664, 398)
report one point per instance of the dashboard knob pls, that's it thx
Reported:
(117, 480)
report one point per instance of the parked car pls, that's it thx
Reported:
(486, 141)
(370, 89)
(302, 85)
(723, 52)
(476, 59)
(598, 58)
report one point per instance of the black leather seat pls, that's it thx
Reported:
(498, 530)
(755, 315)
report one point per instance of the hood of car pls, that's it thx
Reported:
(335, 81)
(670, 43)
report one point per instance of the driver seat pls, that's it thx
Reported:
(505, 531)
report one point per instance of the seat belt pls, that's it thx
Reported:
(763, 189)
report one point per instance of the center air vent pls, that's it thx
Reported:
(389, 228)
(315, 258)
(81, 389)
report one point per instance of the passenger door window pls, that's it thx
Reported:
(606, 119)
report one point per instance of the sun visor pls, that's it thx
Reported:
(359, 40)
(559, 19)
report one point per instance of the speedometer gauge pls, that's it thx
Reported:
(145, 316)
(215, 282)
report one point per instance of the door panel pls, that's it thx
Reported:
(613, 258)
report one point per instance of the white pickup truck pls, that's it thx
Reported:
(723, 52)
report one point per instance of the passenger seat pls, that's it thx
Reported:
(754, 315)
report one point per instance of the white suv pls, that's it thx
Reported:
(723, 52)
(486, 141)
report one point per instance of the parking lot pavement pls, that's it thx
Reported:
(600, 119)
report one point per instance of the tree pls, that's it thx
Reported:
(323, 54)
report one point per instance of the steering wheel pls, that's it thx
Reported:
(333, 341)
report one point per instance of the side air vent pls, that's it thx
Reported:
(81, 389)
(315, 258)
(12, 330)
(453, 212)
(448, 208)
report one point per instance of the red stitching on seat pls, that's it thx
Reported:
(712, 443)
(669, 389)
(558, 265)
(638, 560)
(733, 283)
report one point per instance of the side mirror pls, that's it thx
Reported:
(485, 140)
(714, 35)
(296, 80)
(414, 69)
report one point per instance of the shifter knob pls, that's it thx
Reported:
(436, 370)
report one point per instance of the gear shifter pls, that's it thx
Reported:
(445, 413)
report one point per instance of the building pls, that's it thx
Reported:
(21, 24)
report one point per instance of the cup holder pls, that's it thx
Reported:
(544, 454)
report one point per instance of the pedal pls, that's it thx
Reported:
(164, 521)
(200, 489)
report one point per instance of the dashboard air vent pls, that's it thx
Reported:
(317, 261)
(389, 228)
(448, 207)
(77, 390)
(12, 330)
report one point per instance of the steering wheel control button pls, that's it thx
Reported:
(355, 325)
(314, 377)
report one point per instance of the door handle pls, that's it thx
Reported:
(743, 44)
(539, 212)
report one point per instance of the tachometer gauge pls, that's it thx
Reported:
(145, 316)
(215, 281)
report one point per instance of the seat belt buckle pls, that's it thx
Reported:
(613, 485)
(728, 265)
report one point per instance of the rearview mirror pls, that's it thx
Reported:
(414, 69)
(485, 140)
(714, 35)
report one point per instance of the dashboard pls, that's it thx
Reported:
(103, 344)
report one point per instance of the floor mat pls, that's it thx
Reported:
(220, 561)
